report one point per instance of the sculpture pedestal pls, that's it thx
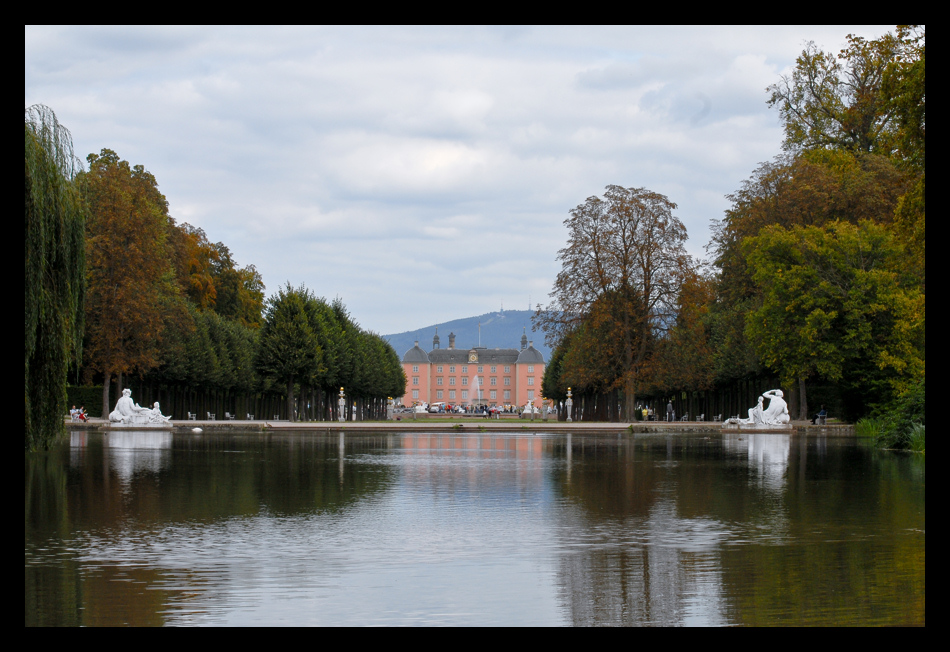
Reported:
(138, 426)
(735, 425)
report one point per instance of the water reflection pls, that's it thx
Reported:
(310, 528)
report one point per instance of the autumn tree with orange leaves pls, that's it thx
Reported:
(129, 275)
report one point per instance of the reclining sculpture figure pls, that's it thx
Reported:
(775, 415)
(130, 413)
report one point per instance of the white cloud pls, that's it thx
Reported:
(378, 164)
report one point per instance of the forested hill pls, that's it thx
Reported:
(501, 330)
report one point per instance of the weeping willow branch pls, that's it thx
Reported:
(55, 273)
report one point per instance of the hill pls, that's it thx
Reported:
(498, 329)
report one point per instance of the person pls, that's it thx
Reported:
(669, 411)
(821, 414)
(81, 413)
(72, 414)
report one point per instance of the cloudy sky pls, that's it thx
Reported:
(420, 174)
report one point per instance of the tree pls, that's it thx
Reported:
(620, 275)
(129, 271)
(833, 306)
(904, 89)
(684, 359)
(836, 101)
(54, 274)
(289, 351)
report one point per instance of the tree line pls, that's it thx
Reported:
(118, 293)
(816, 277)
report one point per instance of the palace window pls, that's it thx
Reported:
(415, 393)
(530, 380)
(438, 381)
(465, 381)
(415, 380)
(464, 394)
(507, 369)
(452, 370)
(464, 369)
(451, 380)
(530, 369)
(507, 394)
(494, 369)
(415, 368)
(494, 394)
(451, 394)
(494, 381)
(507, 380)
(439, 369)
(438, 394)
(530, 394)
(481, 369)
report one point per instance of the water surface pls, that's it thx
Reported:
(150, 528)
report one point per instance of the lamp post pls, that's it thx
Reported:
(568, 403)
(341, 403)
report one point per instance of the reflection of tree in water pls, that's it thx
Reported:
(754, 530)
(640, 561)
(148, 500)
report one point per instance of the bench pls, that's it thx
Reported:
(192, 416)
(211, 417)
(250, 417)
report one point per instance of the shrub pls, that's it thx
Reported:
(901, 421)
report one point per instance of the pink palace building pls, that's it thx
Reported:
(476, 376)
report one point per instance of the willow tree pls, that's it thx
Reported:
(55, 273)
(620, 277)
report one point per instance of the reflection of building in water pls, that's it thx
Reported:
(503, 464)
(131, 452)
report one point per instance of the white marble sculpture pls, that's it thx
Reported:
(776, 414)
(127, 412)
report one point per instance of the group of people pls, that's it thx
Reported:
(78, 415)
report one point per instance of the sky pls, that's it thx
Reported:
(421, 174)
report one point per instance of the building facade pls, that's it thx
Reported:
(475, 376)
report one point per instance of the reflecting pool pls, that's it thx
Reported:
(154, 528)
